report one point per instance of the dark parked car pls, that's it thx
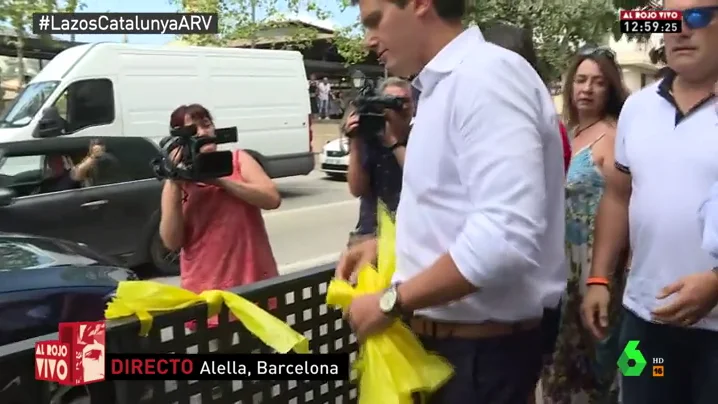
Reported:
(115, 212)
(45, 281)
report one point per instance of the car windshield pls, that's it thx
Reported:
(15, 256)
(27, 104)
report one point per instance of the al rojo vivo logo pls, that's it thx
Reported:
(77, 358)
(632, 362)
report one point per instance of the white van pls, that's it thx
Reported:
(112, 89)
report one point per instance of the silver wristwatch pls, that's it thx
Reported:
(389, 301)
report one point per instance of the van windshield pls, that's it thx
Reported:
(27, 104)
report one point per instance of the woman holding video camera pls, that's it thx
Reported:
(218, 225)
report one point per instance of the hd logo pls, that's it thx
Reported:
(632, 362)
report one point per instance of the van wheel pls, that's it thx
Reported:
(164, 260)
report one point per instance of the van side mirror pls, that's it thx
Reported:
(51, 124)
(7, 196)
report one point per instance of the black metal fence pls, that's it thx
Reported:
(296, 298)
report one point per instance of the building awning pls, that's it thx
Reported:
(340, 68)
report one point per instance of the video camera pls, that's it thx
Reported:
(193, 165)
(370, 107)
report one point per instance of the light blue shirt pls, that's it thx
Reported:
(483, 181)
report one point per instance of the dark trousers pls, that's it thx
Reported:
(500, 370)
(690, 363)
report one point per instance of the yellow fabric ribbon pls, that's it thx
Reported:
(140, 298)
(393, 364)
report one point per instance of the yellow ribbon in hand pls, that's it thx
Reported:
(392, 365)
(140, 298)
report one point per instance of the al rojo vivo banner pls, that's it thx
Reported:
(79, 357)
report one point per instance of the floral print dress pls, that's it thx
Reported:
(574, 375)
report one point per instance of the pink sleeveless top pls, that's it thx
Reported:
(225, 240)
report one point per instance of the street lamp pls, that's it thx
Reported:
(358, 79)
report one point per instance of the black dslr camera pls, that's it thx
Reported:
(370, 107)
(193, 165)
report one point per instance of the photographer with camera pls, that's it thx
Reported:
(217, 224)
(376, 157)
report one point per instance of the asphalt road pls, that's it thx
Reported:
(312, 225)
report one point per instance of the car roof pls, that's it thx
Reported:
(64, 144)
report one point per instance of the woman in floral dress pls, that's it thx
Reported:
(593, 97)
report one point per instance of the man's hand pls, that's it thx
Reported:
(696, 296)
(96, 150)
(355, 257)
(594, 310)
(365, 316)
(352, 124)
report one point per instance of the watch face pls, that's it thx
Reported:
(388, 300)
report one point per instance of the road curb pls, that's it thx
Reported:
(310, 263)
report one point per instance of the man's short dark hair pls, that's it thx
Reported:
(449, 10)
(513, 38)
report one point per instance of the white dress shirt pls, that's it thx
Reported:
(709, 218)
(483, 181)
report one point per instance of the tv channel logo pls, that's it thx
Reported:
(631, 363)
(77, 358)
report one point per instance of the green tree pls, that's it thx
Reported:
(658, 53)
(252, 20)
(72, 6)
(558, 27)
(349, 42)
(17, 14)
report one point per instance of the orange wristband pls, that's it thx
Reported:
(596, 280)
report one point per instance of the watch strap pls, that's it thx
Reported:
(396, 311)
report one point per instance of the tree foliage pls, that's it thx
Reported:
(252, 20)
(17, 14)
(558, 27)
(349, 42)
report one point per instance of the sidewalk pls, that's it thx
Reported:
(324, 131)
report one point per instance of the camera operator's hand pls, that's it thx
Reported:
(398, 126)
(176, 158)
(352, 124)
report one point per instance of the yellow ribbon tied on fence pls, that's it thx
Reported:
(140, 298)
(393, 364)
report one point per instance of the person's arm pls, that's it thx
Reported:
(501, 163)
(610, 245)
(256, 189)
(357, 177)
(171, 219)
(82, 171)
(399, 153)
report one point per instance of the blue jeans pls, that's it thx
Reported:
(690, 360)
(496, 370)
(324, 108)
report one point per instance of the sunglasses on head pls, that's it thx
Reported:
(699, 17)
(597, 51)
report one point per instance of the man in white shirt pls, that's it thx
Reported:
(480, 223)
(667, 147)
(324, 90)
